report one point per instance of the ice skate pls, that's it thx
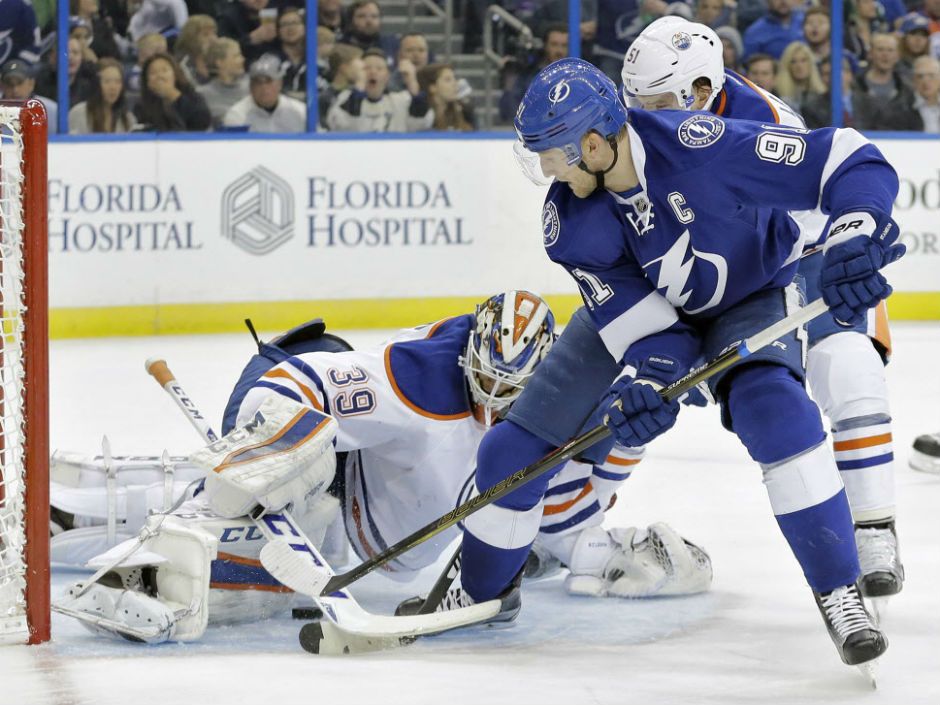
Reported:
(857, 638)
(925, 455)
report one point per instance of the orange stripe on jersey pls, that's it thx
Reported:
(882, 334)
(227, 462)
(770, 105)
(722, 102)
(307, 392)
(856, 443)
(614, 460)
(406, 401)
(232, 558)
(550, 509)
(249, 586)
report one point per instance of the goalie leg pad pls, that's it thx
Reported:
(282, 455)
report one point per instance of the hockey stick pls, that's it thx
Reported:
(317, 582)
(351, 629)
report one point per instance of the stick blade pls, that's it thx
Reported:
(328, 639)
(294, 568)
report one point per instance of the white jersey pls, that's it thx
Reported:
(405, 423)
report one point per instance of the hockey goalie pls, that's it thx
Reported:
(364, 447)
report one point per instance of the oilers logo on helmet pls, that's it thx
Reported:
(681, 41)
(701, 131)
(551, 225)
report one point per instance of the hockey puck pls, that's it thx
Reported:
(310, 637)
(308, 613)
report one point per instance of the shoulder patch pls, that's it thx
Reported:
(551, 225)
(701, 131)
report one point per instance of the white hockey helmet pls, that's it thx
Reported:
(668, 56)
(514, 331)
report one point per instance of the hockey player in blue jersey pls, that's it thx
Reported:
(676, 229)
(677, 64)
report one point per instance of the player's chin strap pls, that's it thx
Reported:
(599, 175)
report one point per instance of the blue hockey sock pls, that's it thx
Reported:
(497, 538)
(822, 538)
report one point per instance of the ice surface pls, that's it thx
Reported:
(755, 638)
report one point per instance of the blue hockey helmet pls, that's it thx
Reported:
(565, 101)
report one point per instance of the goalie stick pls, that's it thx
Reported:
(289, 554)
(317, 581)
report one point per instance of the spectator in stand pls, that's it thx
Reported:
(882, 80)
(229, 82)
(345, 71)
(365, 29)
(330, 15)
(147, 46)
(102, 40)
(412, 47)
(732, 48)
(915, 42)
(816, 32)
(264, 109)
(105, 110)
(927, 92)
(774, 32)
(438, 83)
(618, 24)
(858, 109)
(82, 74)
(17, 82)
(375, 108)
(516, 78)
(292, 50)
(864, 19)
(242, 20)
(168, 102)
(19, 34)
(550, 13)
(797, 76)
(191, 47)
(715, 13)
(326, 43)
(158, 17)
(932, 13)
(80, 29)
(762, 70)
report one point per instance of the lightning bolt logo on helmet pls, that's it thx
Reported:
(559, 92)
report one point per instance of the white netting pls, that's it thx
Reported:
(12, 473)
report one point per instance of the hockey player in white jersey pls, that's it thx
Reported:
(677, 64)
(404, 419)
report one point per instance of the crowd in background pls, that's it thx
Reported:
(234, 65)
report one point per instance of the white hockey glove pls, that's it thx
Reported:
(632, 563)
(283, 454)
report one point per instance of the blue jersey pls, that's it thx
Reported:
(706, 226)
(743, 100)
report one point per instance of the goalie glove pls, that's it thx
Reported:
(283, 454)
(636, 563)
(858, 246)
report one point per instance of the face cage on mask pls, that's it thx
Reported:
(476, 367)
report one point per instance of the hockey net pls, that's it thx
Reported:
(24, 446)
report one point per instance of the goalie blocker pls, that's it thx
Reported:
(283, 456)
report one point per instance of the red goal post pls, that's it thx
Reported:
(24, 375)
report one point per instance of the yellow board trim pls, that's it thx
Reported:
(188, 319)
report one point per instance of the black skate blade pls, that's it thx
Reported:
(327, 639)
(308, 614)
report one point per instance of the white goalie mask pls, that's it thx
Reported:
(668, 57)
(514, 331)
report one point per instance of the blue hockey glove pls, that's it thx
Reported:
(637, 413)
(857, 248)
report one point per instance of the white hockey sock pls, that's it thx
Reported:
(865, 458)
